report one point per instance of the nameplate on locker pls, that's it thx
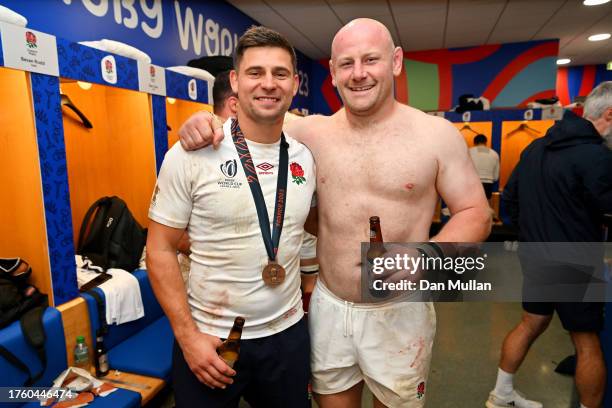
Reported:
(29, 50)
(151, 78)
(552, 113)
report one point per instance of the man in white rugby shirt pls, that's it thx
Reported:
(246, 226)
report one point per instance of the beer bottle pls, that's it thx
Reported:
(376, 250)
(101, 358)
(230, 349)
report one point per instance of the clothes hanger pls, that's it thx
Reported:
(467, 127)
(523, 127)
(67, 102)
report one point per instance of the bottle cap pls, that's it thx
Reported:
(81, 339)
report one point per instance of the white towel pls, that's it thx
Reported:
(8, 15)
(118, 48)
(123, 298)
(122, 291)
(193, 72)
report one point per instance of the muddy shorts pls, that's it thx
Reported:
(386, 345)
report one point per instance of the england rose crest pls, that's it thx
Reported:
(297, 173)
(109, 66)
(30, 39)
(421, 390)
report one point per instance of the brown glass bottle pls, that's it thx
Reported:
(100, 358)
(230, 349)
(376, 250)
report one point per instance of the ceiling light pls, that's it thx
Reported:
(594, 2)
(84, 85)
(599, 37)
(563, 61)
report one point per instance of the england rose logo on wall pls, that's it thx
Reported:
(109, 66)
(30, 39)
(297, 173)
(152, 71)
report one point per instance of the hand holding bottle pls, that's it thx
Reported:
(200, 352)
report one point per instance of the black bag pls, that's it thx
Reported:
(22, 301)
(467, 103)
(110, 236)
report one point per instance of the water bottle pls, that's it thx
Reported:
(81, 354)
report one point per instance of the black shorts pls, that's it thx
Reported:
(488, 188)
(272, 372)
(574, 316)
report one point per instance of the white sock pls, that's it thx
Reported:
(504, 384)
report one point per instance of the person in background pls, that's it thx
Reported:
(559, 192)
(486, 162)
(225, 100)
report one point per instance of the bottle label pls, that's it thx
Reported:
(103, 363)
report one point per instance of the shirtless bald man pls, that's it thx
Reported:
(375, 156)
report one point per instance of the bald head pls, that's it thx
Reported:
(363, 64)
(359, 28)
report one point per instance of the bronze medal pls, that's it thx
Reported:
(273, 274)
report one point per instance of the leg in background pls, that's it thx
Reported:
(590, 368)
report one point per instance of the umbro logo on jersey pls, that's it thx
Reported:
(229, 168)
(265, 166)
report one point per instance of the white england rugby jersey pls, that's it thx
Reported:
(206, 191)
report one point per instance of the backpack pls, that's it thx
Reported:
(22, 301)
(110, 236)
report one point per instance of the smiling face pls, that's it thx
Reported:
(363, 64)
(265, 82)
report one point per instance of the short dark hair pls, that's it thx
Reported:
(260, 36)
(222, 89)
(480, 139)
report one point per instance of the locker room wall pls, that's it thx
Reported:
(512, 145)
(22, 220)
(116, 156)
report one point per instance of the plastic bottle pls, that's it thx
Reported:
(81, 354)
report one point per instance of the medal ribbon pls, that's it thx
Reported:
(271, 242)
